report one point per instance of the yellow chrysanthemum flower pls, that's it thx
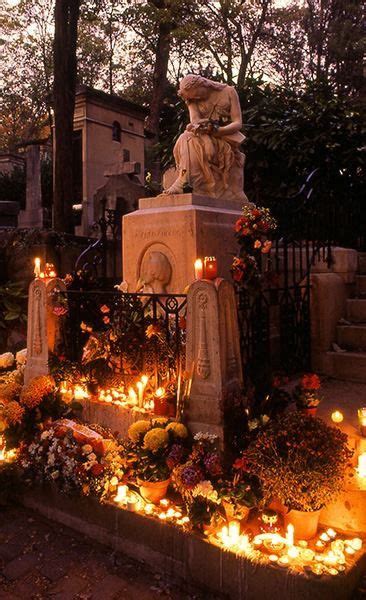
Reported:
(178, 429)
(137, 429)
(160, 421)
(155, 439)
(13, 412)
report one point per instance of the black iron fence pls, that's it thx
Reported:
(122, 335)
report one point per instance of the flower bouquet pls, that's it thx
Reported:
(153, 449)
(198, 479)
(306, 394)
(252, 230)
(76, 458)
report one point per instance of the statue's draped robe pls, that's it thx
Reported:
(214, 165)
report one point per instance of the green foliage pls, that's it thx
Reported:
(12, 309)
(290, 133)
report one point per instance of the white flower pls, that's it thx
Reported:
(21, 357)
(206, 490)
(202, 436)
(6, 360)
(253, 424)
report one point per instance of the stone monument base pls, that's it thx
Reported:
(183, 227)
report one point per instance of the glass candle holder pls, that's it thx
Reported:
(210, 267)
(362, 420)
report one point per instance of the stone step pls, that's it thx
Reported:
(349, 366)
(362, 263)
(352, 337)
(356, 310)
(361, 285)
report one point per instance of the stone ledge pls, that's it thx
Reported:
(188, 557)
(173, 200)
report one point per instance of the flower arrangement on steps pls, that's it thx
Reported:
(301, 462)
(306, 394)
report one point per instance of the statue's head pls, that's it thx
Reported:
(196, 87)
(156, 270)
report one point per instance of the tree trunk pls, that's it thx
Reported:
(159, 78)
(64, 87)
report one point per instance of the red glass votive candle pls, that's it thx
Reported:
(210, 267)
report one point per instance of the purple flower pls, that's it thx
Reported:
(213, 464)
(175, 456)
(191, 475)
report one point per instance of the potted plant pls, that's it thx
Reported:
(154, 448)
(302, 462)
(306, 394)
(239, 494)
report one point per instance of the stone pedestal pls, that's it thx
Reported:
(32, 216)
(213, 354)
(43, 326)
(182, 228)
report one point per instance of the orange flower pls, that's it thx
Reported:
(13, 412)
(10, 391)
(257, 244)
(39, 387)
(105, 309)
(266, 247)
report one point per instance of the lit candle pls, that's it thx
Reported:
(160, 392)
(140, 392)
(132, 396)
(331, 533)
(283, 561)
(356, 543)
(164, 503)
(234, 531)
(293, 552)
(210, 267)
(290, 534)
(325, 537)
(198, 269)
(132, 501)
(149, 508)
(80, 393)
(337, 416)
(2, 454)
(361, 469)
(37, 267)
(121, 496)
(350, 550)
(320, 545)
(362, 420)
(273, 557)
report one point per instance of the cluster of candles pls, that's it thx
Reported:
(6, 456)
(337, 417)
(135, 397)
(329, 554)
(165, 510)
(206, 268)
(48, 273)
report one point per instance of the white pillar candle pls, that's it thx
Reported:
(362, 465)
(37, 267)
(290, 534)
(140, 393)
(198, 268)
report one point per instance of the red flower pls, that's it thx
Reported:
(97, 469)
(310, 381)
(106, 320)
(105, 309)
(241, 464)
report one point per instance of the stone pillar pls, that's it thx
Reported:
(32, 216)
(213, 352)
(182, 227)
(43, 326)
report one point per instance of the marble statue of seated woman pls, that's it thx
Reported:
(207, 154)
